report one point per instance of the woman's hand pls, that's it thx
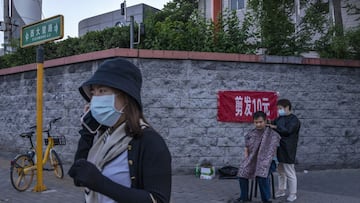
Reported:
(271, 126)
(86, 107)
(86, 174)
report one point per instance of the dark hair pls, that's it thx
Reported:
(133, 115)
(259, 114)
(284, 103)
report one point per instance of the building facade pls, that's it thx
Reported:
(115, 18)
(18, 13)
(211, 8)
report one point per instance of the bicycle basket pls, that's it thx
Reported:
(58, 140)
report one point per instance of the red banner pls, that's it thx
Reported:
(239, 106)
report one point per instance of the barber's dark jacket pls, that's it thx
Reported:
(149, 163)
(288, 127)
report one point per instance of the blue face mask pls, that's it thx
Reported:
(104, 111)
(281, 112)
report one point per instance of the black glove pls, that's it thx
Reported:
(86, 174)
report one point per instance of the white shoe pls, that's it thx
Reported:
(291, 198)
(280, 193)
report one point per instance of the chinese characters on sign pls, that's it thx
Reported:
(43, 31)
(46, 32)
(239, 106)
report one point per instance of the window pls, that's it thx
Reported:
(237, 4)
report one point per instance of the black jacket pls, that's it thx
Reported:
(288, 127)
(150, 168)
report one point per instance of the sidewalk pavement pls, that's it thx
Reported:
(326, 186)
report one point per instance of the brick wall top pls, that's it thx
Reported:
(162, 54)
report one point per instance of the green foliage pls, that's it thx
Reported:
(180, 26)
(354, 43)
(314, 22)
(230, 36)
(63, 48)
(22, 56)
(178, 10)
(280, 36)
(196, 33)
(91, 41)
(177, 27)
(275, 27)
(346, 46)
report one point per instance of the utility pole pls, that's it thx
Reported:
(131, 32)
(335, 9)
(124, 13)
(132, 23)
(28, 40)
(7, 26)
(297, 15)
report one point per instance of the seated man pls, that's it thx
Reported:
(260, 149)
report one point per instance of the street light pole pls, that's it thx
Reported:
(124, 13)
(7, 26)
(131, 32)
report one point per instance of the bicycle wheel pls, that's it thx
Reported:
(56, 164)
(20, 180)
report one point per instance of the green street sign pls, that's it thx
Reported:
(42, 31)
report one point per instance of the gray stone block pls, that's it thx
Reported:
(180, 102)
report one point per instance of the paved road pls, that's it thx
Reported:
(327, 186)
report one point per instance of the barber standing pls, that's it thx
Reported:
(288, 126)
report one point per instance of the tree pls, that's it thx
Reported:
(177, 10)
(313, 32)
(276, 30)
(184, 28)
(180, 26)
(337, 42)
(338, 17)
(167, 28)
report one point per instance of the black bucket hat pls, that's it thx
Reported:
(117, 73)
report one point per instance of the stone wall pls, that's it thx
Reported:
(180, 101)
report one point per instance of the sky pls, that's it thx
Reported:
(76, 10)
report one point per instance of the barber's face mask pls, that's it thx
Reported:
(281, 112)
(104, 111)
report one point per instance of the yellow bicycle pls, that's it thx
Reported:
(23, 166)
